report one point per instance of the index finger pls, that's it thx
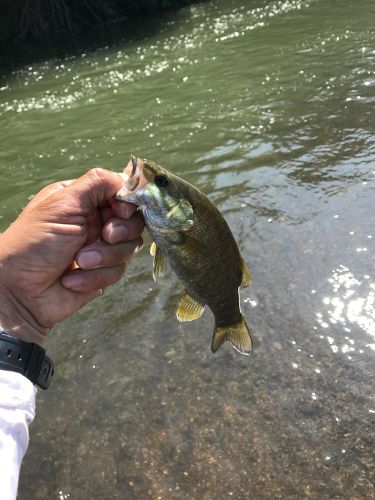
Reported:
(93, 190)
(47, 191)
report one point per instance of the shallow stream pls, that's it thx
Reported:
(268, 107)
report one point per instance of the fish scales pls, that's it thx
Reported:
(208, 280)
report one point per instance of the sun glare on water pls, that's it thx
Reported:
(351, 304)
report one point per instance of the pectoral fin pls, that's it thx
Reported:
(160, 262)
(238, 335)
(246, 275)
(181, 216)
(189, 309)
(153, 249)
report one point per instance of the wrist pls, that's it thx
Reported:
(18, 321)
(27, 358)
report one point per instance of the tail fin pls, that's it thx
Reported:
(238, 335)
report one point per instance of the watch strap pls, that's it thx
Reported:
(26, 358)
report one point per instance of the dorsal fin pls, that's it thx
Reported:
(246, 275)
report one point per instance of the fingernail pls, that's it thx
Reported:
(117, 233)
(72, 280)
(89, 259)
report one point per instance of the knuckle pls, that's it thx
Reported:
(96, 175)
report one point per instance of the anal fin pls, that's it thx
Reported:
(189, 309)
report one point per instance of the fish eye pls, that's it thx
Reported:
(161, 180)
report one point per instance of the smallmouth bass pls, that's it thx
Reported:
(190, 233)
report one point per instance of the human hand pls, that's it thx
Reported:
(71, 241)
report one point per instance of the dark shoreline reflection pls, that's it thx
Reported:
(19, 53)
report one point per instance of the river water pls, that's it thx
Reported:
(268, 107)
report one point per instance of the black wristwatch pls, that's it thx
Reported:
(28, 359)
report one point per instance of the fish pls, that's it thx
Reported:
(191, 235)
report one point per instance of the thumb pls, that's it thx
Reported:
(94, 189)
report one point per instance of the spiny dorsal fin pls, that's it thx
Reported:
(238, 335)
(246, 275)
(160, 262)
(189, 309)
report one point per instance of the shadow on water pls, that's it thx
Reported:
(19, 53)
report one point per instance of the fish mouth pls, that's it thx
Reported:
(134, 180)
(134, 161)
